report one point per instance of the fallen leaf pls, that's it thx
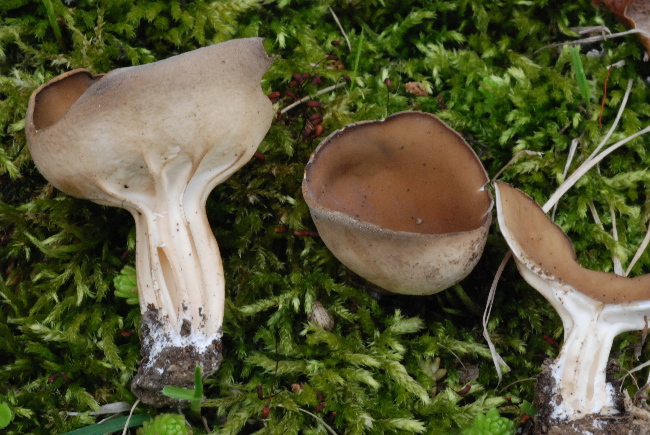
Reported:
(634, 14)
(416, 88)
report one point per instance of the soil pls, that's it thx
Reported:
(174, 365)
(631, 420)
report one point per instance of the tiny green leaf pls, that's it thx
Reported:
(528, 408)
(5, 415)
(179, 393)
(126, 285)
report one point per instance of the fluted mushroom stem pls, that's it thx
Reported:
(180, 276)
(178, 332)
(579, 371)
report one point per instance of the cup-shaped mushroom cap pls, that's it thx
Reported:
(400, 202)
(105, 138)
(541, 247)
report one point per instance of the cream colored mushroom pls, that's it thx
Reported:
(400, 202)
(594, 306)
(156, 139)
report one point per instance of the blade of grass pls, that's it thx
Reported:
(496, 358)
(579, 72)
(193, 395)
(110, 426)
(195, 405)
(51, 16)
(356, 61)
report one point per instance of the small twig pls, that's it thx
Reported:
(618, 267)
(594, 214)
(496, 358)
(616, 120)
(572, 152)
(569, 182)
(321, 421)
(635, 369)
(639, 251)
(636, 382)
(310, 97)
(563, 129)
(336, 19)
(126, 425)
(591, 29)
(593, 39)
(205, 425)
(602, 102)
(452, 352)
(516, 382)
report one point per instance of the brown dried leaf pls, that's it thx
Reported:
(416, 88)
(634, 14)
(336, 65)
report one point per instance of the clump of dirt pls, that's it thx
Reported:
(173, 365)
(631, 420)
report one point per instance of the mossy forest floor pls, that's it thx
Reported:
(69, 344)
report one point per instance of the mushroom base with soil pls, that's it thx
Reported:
(169, 359)
(629, 420)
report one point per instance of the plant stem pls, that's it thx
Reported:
(356, 61)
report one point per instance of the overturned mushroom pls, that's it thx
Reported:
(594, 307)
(400, 202)
(155, 140)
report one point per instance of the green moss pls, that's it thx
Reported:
(490, 423)
(69, 343)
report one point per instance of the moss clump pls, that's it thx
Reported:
(165, 424)
(490, 423)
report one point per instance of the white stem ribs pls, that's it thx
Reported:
(182, 287)
(580, 368)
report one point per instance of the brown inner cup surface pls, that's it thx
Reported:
(54, 100)
(410, 172)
